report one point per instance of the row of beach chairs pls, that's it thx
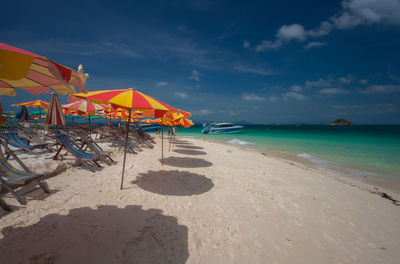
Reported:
(76, 141)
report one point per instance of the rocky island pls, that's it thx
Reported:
(341, 122)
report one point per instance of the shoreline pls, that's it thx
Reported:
(378, 184)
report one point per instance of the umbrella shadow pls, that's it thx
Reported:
(188, 146)
(179, 183)
(181, 142)
(184, 162)
(107, 234)
(189, 152)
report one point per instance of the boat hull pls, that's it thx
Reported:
(230, 130)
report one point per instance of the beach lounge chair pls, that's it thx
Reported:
(11, 175)
(80, 155)
(121, 143)
(14, 140)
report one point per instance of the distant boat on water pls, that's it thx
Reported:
(221, 128)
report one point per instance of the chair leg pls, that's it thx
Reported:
(43, 185)
(4, 205)
(15, 194)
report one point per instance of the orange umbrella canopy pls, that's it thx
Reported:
(35, 73)
(84, 106)
(126, 98)
(36, 103)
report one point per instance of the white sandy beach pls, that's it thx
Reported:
(208, 203)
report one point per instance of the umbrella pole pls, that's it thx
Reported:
(90, 128)
(162, 142)
(126, 146)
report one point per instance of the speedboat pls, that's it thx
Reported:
(220, 128)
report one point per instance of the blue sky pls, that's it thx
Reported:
(261, 61)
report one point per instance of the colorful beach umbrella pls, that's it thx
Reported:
(85, 106)
(129, 99)
(36, 103)
(185, 122)
(55, 115)
(36, 74)
(23, 114)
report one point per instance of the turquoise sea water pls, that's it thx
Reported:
(373, 149)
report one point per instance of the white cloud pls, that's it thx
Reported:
(291, 32)
(353, 13)
(273, 99)
(358, 12)
(246, 44)
(160, 84)
(195, 76)
(296, 88)
(346, 107)
(323, 30)
(256, 70)
(346, 80)
(294, 96)
(204, 112)
(266, 45)
(363, 81)
(285, 34)
(314, 44)
(330, 91)
(180, 95)
(252, 97)
(318, 83)
(376, 89)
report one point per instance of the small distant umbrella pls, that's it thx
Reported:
(23, 114)
(36, 103)
(54, 115)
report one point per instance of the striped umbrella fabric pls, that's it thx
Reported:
(126, 98)
(36, 103)
(54, 114)
(35, 74)
(85, 106)
(186, 122)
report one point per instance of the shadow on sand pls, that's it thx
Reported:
(104, 235)
(181, 142)
(189, 152)
(179, 183)
(186, 162)
(188, 147)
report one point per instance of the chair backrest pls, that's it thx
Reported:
(15, 140)
(64, 140)
(120, 140)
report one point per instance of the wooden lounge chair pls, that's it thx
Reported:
(11, 175)
(80, 155)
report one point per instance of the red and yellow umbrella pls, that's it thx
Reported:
(85, 106)
(185, 122)
(36, 103)
(126, 98)
(55, 115)
(129, 99)
(35, 73)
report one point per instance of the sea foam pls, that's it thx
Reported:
(239, 142)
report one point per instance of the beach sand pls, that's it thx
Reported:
(208, 203)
